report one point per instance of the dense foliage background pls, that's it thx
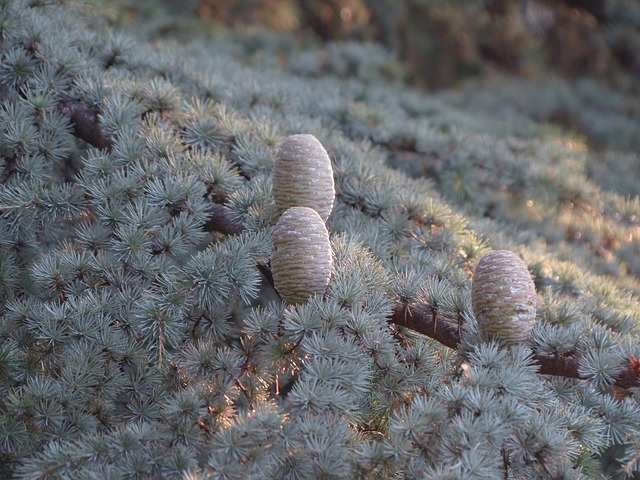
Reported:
(140, 335)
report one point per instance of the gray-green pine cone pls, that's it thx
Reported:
(504, 297)
(301, 256)
(303, 176)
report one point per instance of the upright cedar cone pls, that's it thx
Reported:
(303, 176)
(504, 297)
(301, 256)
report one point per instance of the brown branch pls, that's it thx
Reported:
(85, 122)
(266, 271)
(447, 334)
(443, 332)
(222, 221)
(562, 365)
(628, 378)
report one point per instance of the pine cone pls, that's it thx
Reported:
(303, 176)
(301, 256)
(504, 297)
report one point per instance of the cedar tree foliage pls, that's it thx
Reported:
(140, 333)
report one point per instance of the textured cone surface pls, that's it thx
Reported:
(303, 176)
(504, 297)
(301, 256)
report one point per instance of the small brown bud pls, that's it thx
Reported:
(301, 256)
(303, 176)
(504, 297)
